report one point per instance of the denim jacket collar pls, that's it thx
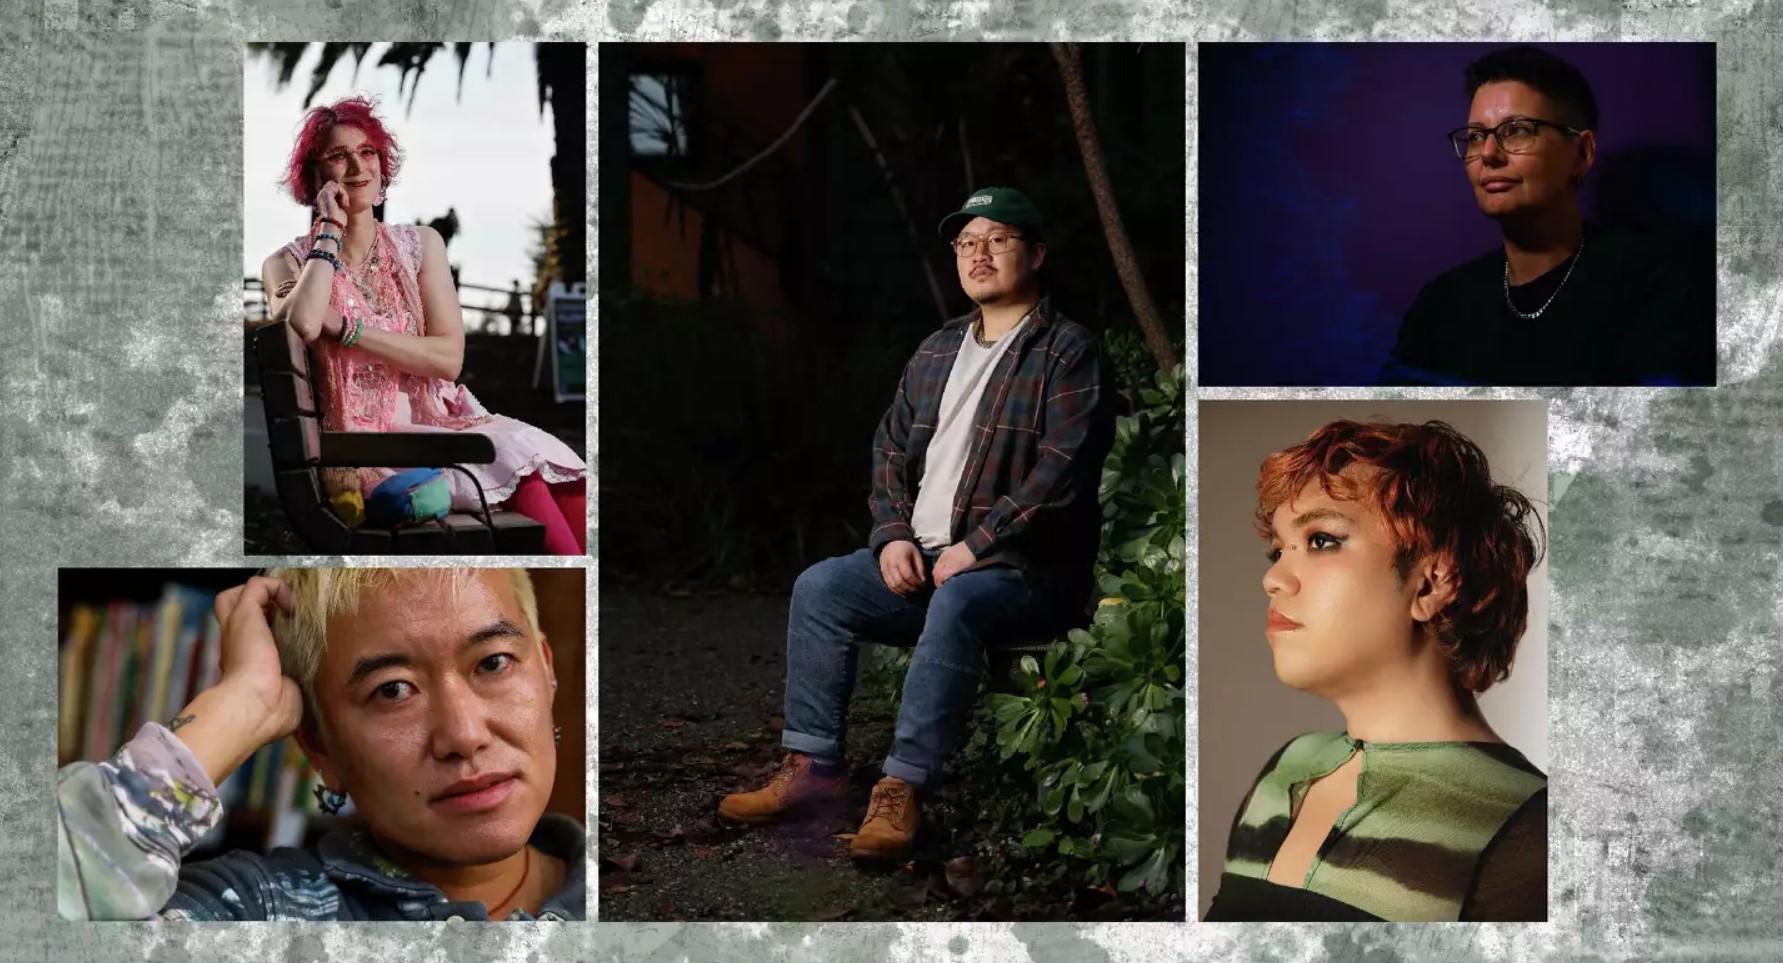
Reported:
(352, 860)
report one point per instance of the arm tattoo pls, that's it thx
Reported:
(179, 721)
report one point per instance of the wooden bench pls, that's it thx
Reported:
(300, 448)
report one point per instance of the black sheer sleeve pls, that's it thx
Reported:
(1511, 879)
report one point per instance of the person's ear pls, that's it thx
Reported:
(1434, 586)
(550, 666)
(1039, 254)
(1587, 156)
(314, 745)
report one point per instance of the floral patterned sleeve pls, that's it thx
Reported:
(124, 824)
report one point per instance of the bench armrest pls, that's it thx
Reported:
(404, 449)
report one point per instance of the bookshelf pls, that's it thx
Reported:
(136, 645)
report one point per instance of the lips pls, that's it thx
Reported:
(1498, 185)
(478, 793)
(983, 272)
(1279, 623)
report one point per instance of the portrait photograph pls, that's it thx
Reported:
(1373, 606)
(321, 744)
(1457, 214)
(892, 434)
(415, 268)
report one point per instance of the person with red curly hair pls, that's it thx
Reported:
(1396, 590)
(377, 303)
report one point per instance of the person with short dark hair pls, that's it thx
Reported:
(1396, 590)
(985, 528)
(1563, 301)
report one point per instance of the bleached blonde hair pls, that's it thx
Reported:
(322, 593)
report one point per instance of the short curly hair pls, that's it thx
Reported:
(312, 133)
(1433, 488)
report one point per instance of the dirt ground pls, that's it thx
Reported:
(690, 693)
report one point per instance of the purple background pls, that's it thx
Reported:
(1328, 195)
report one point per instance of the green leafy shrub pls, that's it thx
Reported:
(1080, 767)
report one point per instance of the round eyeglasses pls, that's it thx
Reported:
(966, 245)
(1515, 136)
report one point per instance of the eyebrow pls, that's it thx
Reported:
(1313, 515)
(498, 629)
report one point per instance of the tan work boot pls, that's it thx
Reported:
(793, 785)
(892, 818)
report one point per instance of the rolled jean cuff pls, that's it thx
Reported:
(822, 750)
(914, 775)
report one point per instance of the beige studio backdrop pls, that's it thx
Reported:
(1245, 712)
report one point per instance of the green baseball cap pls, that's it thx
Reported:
(1005, 204)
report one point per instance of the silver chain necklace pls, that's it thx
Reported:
(1538, 311)
(978, 335)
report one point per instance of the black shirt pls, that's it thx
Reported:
(1632, 312)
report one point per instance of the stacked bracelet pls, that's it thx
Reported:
(324, 236)
(349, 338)
(317, 254)
(329, 220)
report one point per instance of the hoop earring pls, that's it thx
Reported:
(330, 801)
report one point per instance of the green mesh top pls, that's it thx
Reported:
(1439, 831)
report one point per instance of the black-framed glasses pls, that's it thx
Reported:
(966, 245)
(1516, 135)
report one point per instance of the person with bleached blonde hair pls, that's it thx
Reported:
(423, 696)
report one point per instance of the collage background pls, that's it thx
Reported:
(120, 185)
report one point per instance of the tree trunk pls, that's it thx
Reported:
(1145, 311)
(563, 73)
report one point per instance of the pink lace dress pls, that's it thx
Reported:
(360, 392)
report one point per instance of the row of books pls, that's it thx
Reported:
(126, 663)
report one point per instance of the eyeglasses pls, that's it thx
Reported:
(1515, 136)
(966, 245)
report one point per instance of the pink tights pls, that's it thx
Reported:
(563, 510)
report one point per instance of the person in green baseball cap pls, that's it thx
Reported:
(998, 240)
(985, 528)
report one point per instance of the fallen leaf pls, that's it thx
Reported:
(832, 914)
(672, 723)
(910, 896)
(615, 883)
(776, 723)
(671, 835)
(736, 746)
(617, 802)
(612, 766)
(626, 863)
(963, 876)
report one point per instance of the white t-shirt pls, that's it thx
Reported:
(945, 459)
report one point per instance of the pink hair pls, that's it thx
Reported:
(312, 134)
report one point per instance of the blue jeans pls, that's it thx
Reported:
(839, 602)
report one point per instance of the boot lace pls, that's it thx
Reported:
(891, 801)
(781, 781)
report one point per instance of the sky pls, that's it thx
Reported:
(486, 154)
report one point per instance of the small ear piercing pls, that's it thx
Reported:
(557, 735)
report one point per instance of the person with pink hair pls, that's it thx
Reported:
(377, 304)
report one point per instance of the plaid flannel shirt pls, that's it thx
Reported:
(1027, 496)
